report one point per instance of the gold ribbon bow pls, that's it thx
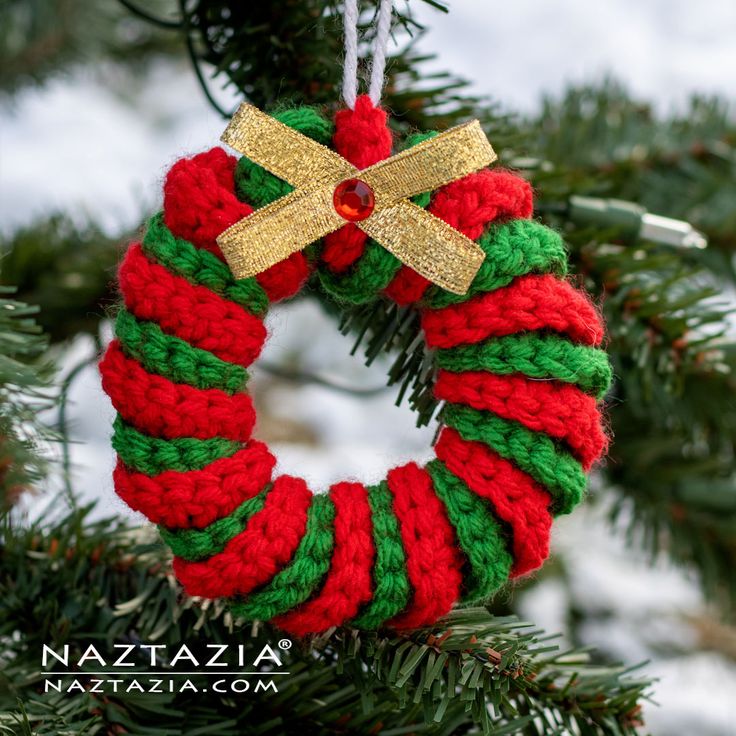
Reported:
(417, 238)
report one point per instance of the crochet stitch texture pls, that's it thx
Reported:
(519, 366)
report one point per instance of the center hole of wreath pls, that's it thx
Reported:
(353, 200)
(325, 433)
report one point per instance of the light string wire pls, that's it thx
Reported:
(378, 65)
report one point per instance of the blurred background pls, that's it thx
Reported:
(618, 101)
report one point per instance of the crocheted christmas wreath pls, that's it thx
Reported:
(518, 363)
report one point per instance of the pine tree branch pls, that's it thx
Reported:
(105, 584)
(24, 391)
(66, 269)
(39, 38)
(275, 55)
(669, 320)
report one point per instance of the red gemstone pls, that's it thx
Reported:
(353, 200)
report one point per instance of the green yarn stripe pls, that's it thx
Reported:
(534, 452)
(301, 578)
(420, 200)
(480, 535)
(200, 267)
(369, 276)
(151, 455)
(512, 249)
(175, 358)
(199, 544)
(256, 186)
(536, 356)
(391, 580)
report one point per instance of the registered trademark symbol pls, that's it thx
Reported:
(285, 644)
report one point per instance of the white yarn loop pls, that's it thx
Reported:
(350, 67)
(378, 65)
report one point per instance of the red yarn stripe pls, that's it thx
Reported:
(533, 302)
(559, 410)
(434, 562)
(343, 247)
(468, 204)
(361, 136)
(199, 198)
(348, 584)
(200, 202)
(516, 498)
(159, 407)
(255, 555)
(196, 498)
(193, 313)
(286, 278)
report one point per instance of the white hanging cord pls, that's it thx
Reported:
(378, 65)
(350, 66)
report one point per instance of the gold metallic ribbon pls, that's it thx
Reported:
(417, 238)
